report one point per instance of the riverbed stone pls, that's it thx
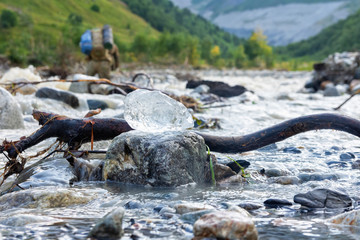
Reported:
(306, 177)
(183, 208)
(23, 219)
(351, 218)
(276, 203)
(45, 198)
(110, 226)
(218, 88)
(59, 95)
(276, 172)
(10, 113)
(166, 159)
(356, 164)
(286, 180)
(227, 224)
(323, 198)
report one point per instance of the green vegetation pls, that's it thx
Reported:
(342, 36)
(95, 8)
(43, 32)
(8, 19)
(48, 32)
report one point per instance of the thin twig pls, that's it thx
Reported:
(352, 95)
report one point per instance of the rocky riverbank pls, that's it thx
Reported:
(297, 188)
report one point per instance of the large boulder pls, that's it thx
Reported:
(166, 159)
(235, 223)
(323, 198)
(63, 96)
(10, 113)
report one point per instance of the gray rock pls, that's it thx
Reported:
(306, 177)
(10, 113)
(192, 207)
(45, 198)
(192, 217)
(95, 104)
(166, 159)
(323, 198)
(201, 89)
(275, 172)
(110, 226)
(331, 91)
(277, 203)
(249, 206)
(286, 180)
(356, 164)
(63, 96)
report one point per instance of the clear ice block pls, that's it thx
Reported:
(153, 111)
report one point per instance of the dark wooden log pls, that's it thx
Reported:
(281, 131)
(72, 131)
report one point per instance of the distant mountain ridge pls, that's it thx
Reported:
(283, 21)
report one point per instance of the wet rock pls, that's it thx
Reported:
(229, 224)
(337, 164)
(291, 150)
(170, 159)
(277, 203)
(275, 172)
(110, 226)
(10, 113)
(133, 205)
(192, 217)
(268, 148)
(192, 207)
(306, 177)
(159, 207)
(167, 212)
(201, 89)
(218, 88)
(23, 219)
(95, 104)
(222, 172)
(284, 96)
(323, 198)
(234, 179)
(287, 180)
(331, 91)
(249, 206)
(356, 164)
(45, 198)
(58, 95)
(351, 218)
(235, 167)
(347, 156)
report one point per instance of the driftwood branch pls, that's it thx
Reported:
(72, 131)
(282, 131)
(75, 132)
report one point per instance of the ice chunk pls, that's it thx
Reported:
(153, 111)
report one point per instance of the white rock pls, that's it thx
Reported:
(10, 113)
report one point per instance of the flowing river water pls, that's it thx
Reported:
(59, 210)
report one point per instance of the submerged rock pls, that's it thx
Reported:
(234, 223)
(10, 113)
(192, 207)
(323, 198)
(277, 203)
(45, 198)
(347, 218)
(23, 219)
(110, 226)
(168, 159)
(58, 95)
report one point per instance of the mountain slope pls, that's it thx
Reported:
(44, 25)
(342, 36)
(283, 21)
(165, 17)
